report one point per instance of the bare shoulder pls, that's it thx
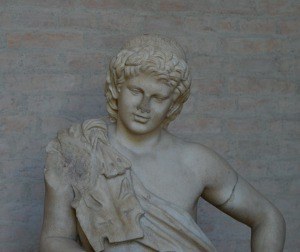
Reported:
(204, 162)
(194, 154)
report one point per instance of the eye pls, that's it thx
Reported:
(134, 91)
(160, 98)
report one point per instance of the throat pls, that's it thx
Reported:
(137, 143)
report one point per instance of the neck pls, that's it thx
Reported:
(138, 143)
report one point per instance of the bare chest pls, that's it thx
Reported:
(169, 180)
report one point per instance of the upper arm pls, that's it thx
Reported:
(59, 217)
(220, 179)
(233, 195)
(247, 205)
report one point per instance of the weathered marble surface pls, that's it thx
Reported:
(132, 186)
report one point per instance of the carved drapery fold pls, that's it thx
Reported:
(111, 202)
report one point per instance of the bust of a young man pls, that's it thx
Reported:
(132, 186)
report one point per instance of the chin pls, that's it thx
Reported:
(140, 128)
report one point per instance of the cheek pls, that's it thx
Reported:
(162, 109)
(126, 100)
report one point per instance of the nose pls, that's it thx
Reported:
(144, 105)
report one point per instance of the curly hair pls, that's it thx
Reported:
(157, 56)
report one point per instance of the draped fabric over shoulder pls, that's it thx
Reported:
(110, 201)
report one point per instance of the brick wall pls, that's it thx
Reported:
(244, 56)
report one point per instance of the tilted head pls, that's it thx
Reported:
(153, 55)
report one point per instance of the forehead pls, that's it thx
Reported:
(150, 83)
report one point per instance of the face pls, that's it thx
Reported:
(143, 104)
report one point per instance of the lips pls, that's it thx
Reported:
(140, 118)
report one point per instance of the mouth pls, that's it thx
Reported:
(140, 118)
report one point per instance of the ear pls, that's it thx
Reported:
(174, 105)
(112, 88)
(172, 108)
(175, 95)
(114, 92)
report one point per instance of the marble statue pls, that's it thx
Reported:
(130, 185)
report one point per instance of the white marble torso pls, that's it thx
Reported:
(168, 172)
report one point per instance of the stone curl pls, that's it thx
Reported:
(156, 56)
